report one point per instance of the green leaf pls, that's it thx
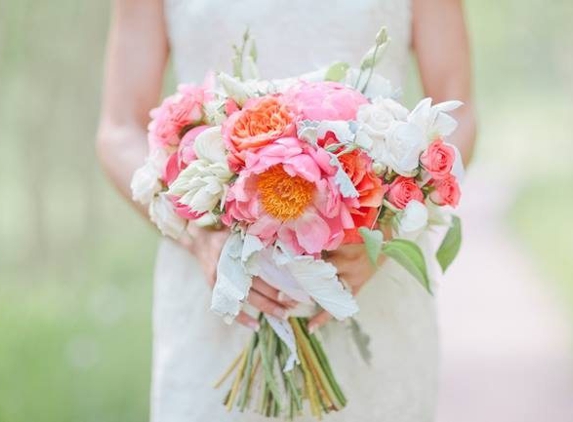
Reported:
(373, 240)
(450, 246)
(410, 256)
(253, 51)
(336, 72)
(361, 339)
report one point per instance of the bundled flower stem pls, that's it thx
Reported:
(257, 367)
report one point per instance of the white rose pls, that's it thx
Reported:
(162, 213)
(404, 144)
(412, 220)
(374, 121)
(376, 118)
(434, 120)
(203, 184)
(145, 182)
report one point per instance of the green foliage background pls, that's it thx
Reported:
(76, 263)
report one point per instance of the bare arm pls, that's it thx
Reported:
(441, 46)
(136, 57)
(137, 54)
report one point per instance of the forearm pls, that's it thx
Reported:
(121, 151)
(465, 135)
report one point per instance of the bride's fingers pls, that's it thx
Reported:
(318, 321)
(248, 321)
(266, 305)
(269, 291)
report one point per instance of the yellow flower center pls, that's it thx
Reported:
(283, 196)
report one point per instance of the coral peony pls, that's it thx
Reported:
(260, 122)
(286, 192)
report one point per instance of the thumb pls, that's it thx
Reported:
(318, 321)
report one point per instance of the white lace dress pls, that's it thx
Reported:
(191, 345)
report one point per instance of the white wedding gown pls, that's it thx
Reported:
(191, 345)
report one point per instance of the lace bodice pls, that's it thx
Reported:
(293, 36)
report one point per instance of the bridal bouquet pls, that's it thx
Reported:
(296, 168)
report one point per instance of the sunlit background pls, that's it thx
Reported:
(76, 262)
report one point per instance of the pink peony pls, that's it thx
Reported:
(438, 159)
(177, 114)
(403, 190)
(325, 101)
(446, 191)
(286, 192)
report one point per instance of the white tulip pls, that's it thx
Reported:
(145, 182)
(235, 89)
(434, 120)
(162, 213)
(412, 220)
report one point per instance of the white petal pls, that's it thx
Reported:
(448, 106)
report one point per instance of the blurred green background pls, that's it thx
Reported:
(76, 262)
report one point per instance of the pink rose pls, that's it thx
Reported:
(438, 159)
(180, 159)
(176, 115)
(446, 191)
(186, 152)
(325, 101)
(403, 190)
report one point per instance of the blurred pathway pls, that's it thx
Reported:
(506, 345)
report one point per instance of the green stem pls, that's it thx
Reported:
(326, 380)
(245, 393)
(288, 376)
(268, 352)
(325, 364)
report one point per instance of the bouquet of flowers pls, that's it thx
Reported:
(296, 168)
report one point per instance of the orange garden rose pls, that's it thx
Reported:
(260, 122)
(358, 166)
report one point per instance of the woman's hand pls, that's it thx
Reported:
(206, 246)
(354, 268)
